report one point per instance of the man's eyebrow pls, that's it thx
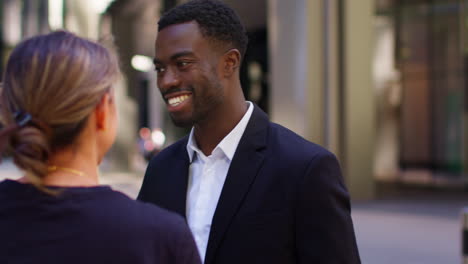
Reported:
(175, 56)
(181, 54)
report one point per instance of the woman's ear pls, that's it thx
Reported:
(102, 112)
(231, 62)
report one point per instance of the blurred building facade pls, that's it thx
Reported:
(381, 83)
(422, 91)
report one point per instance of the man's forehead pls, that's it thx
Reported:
(182, 31)
(178, 38)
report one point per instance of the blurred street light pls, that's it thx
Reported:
(99, 6)
(56, 14)
(12, 22)
(142, 63)
(158, 137)
(150, 142)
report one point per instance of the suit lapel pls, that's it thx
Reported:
(244, 167)
(177, 182)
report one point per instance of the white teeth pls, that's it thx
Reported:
(174, 101)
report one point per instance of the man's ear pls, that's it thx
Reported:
(101, 112)
(231, 61)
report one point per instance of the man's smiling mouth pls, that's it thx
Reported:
(175, 101)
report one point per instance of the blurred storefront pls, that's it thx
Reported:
(425, 96)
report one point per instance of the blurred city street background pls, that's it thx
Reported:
(380, 83)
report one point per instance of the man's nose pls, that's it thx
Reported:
(169, 79)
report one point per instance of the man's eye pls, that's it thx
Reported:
(159, 69)
(182, 63)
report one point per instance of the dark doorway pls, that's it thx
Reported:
(430, 59)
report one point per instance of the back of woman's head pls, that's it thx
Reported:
(57, 79)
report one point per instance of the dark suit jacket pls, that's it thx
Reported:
(283, 200)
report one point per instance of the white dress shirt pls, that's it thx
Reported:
(206, 180)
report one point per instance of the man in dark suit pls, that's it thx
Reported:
(252, 191)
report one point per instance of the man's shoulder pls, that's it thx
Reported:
(178, 148)
(289, 140)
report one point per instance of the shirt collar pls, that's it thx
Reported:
(229, 143)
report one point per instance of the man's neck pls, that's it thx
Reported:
(210, 133)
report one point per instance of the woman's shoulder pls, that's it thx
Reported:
(145, 215)
(100, 204)
(153, 225)
(144, 223)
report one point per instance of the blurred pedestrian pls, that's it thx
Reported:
(252, 191)
(60, 118)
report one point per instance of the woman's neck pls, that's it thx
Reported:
(73, 167)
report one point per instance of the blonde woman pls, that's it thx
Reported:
(59, 120)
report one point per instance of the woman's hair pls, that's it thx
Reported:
(51, 82)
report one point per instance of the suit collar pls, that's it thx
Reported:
(256, 132)
(229, 143)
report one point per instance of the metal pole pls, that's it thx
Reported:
(465, 235)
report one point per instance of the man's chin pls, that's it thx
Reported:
(182, 122)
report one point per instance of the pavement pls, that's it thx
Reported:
(415, 229)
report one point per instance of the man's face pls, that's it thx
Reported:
(186, 65)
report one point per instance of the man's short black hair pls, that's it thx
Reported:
(215, 19)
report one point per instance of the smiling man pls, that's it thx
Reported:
(252, 191)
